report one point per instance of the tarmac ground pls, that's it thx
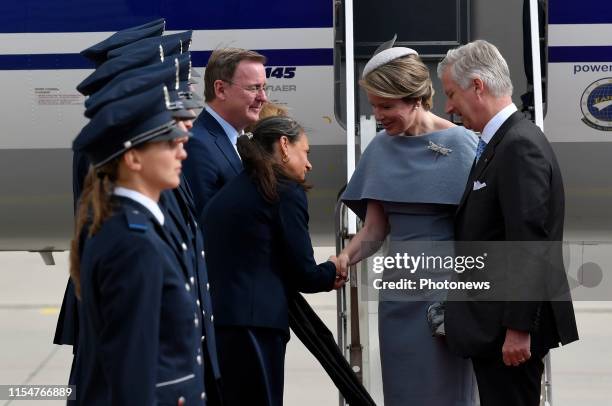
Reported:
(31, 293)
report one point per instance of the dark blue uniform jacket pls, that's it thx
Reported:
(182, 227)
(139, 341)
(259, 253)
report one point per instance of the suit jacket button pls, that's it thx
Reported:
(203, 396)
(181, 401)
(192, 280)
(184, 246)
(203, 254)
(203, 338)
(199, 359)
(198, 302)
(212, 318)
(207, 286)
(187, 288)
(196, 321)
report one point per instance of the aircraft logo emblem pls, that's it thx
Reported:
(596, 105)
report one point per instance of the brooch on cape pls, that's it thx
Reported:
(439, 149)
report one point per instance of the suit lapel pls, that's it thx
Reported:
(487, 155)
(222, 141)
(227, 149)
(468, 186)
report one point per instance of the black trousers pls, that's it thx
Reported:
(501, 385)
(252, 363)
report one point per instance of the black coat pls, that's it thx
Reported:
(67, 329)
(259, 253)
(522, 204)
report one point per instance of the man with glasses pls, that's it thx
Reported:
(234, 91)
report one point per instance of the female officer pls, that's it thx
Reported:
(260, 255)
(139, 340)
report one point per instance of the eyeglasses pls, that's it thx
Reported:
(253, 89)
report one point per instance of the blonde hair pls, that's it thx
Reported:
(405, 78)
(269, 109)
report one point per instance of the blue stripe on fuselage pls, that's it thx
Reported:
(580, 12)
(276, 57)
(113, 15)
(580, 54)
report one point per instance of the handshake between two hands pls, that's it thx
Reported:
(342, 263)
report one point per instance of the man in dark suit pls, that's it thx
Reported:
(515, 195)
(234, 90)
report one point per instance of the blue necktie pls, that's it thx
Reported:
(480, 149)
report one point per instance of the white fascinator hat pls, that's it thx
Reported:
(385, 53)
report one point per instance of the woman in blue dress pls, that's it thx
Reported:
(406, 187)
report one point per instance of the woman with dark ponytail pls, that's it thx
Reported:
(259, 253)
(139, 333)
(259, 155)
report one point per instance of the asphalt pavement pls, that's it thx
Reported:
(31, 293)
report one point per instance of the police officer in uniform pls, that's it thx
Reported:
(139, 336)
(176, 204)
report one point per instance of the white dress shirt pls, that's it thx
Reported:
(138, 197)
(493, 125)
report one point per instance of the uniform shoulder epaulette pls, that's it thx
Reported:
(136, 220)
